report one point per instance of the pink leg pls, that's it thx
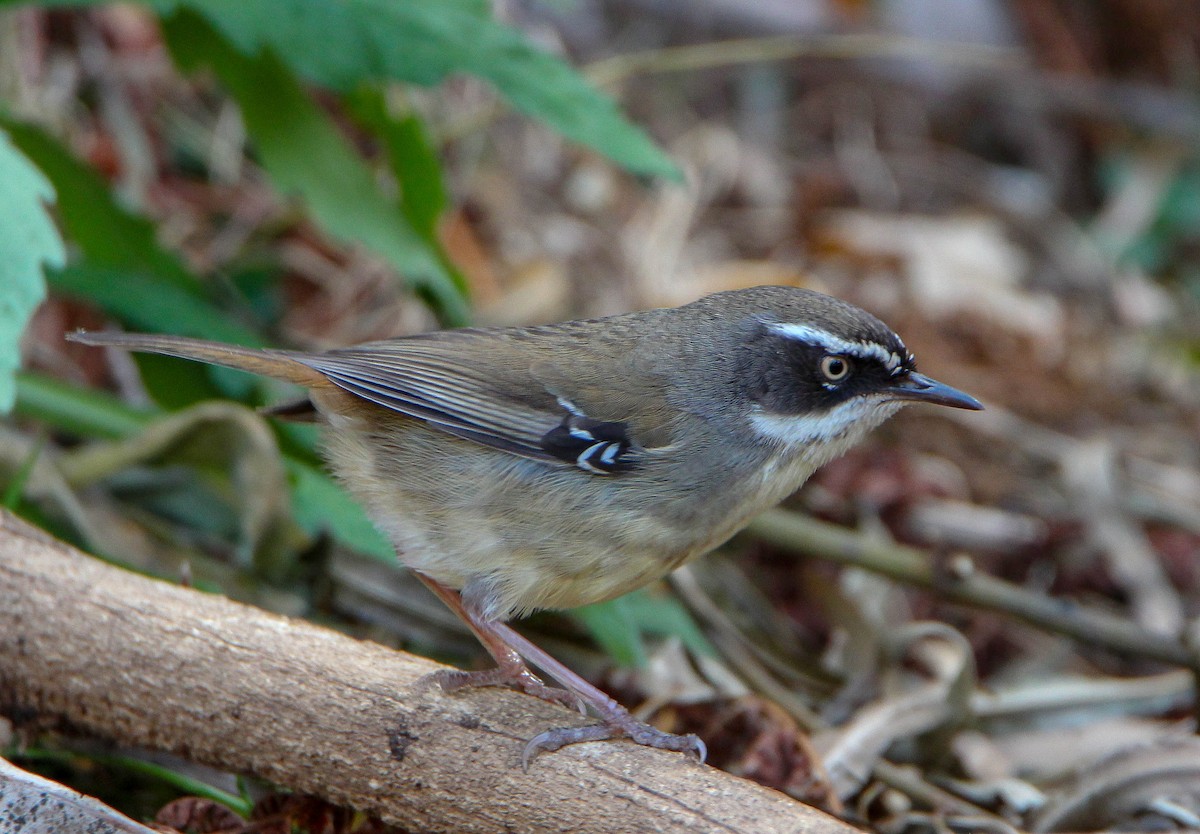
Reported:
(509, 647)
(510, 668)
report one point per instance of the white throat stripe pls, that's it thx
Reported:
(836, 344)
(846, 422)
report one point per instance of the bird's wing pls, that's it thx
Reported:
(495, 403)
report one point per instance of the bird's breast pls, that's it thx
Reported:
(516, 535)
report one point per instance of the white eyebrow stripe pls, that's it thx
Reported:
(836, 344)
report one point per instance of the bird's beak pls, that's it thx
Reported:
(920, 388)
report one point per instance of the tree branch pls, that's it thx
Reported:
(142, 662)
(819, 539)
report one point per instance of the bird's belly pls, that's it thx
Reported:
(515, 535)
(508, 568)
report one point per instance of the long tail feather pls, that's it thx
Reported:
(279, 364)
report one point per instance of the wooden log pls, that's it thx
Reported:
(107, 652)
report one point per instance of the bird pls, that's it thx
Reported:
(519, 469)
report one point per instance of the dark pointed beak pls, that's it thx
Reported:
(920, 388)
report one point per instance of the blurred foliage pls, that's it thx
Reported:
(28, 243)
(139, 786)
(620, 626)
(391, 202)
(1174, 232)
(340, 45)
(259, 51)
(1023, 208)
(304, 154)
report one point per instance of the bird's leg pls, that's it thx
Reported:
(511, 650)
(617, 721)
(511, 669)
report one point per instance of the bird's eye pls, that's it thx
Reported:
(835, 368)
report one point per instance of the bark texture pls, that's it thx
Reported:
(146, 663)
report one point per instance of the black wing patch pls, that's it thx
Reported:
(595, 446)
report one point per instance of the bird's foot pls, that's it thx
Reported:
(616, 725)
(511, 650)
(451, 680)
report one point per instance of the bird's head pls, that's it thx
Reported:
(818, 373)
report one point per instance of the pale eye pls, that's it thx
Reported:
(835, 368)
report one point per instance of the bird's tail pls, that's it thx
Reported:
(279, 364)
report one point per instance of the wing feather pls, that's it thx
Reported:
(421, 379)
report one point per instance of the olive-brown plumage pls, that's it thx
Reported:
(556, 466)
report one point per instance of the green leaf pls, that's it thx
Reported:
(20, 479)
(106, 233)
(414, 163)
(146, 303)
(318, 502)
(306, 155)
(412, 159)
(129, 275)
(79, 411)
(619, 625)
(29, 242)
(658, 612)
(611, 625)
(341, 44)
(182, 783)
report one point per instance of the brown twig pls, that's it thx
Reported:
(906, 564)
(785, 47)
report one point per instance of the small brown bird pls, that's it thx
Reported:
(519, 469)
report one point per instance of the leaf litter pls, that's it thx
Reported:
(1030, 250)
